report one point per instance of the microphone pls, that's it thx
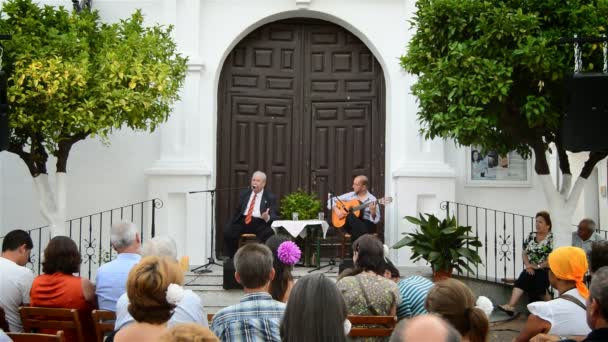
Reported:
(253, 187)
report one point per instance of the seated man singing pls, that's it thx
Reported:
(256, 210)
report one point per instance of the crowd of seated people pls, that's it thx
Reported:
(144, 287)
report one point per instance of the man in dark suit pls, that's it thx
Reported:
(256, 210)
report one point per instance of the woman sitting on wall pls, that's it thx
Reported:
(534, 279)
(58, 288)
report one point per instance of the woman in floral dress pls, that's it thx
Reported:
(534, 279)
(366, 292)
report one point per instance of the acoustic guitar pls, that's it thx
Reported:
(355, 206)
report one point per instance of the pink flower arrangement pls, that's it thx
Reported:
(289, 253)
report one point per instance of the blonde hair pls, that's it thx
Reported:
(147, 289)
(455, 302)
(188, 332)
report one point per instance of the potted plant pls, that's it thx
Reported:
(443, 244)
(307, 205)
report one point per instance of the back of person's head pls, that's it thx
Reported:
(370, 254)
(282, 277)
(598, 256)
(123, 234)
(15, 239)
(424, 328)
(188, 332)
(599, 294)
(315, 311)
(61, 255)
(161, 246)
(253, 264)
(455, 302)
(568, 264)
(147, 286)
(389, 270)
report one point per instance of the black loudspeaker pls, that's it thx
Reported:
(229, 280)
(586, 118)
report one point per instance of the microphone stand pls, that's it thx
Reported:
(332, 262)
(211, 260)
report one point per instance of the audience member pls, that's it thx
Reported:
(413, 291)
(425, 328)
(59, 288)
(315, 312)
(257, 317)
(585, 235)
(534, 279)
(562, 316)
(367, 292)
(189, 310)
(188, 332)
(15, 279)
(597, 311)
(154, 290)
(285, 254)
(599, 255)
(4, 337)
(111, 279)
(455, 302)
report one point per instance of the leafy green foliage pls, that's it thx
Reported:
(73, 76)
(490, 72)
(443, 244)
(306, 205)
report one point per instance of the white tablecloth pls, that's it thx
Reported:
(297, 228)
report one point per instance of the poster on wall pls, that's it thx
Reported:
(492, 169)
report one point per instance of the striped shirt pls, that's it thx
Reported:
(413, 292)
(367, 214)
(256, 318)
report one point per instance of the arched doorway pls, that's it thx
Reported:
(302, 100)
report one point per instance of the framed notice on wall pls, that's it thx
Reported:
(493, 169)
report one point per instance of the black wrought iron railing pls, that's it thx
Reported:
(92, 234)
(502, 234)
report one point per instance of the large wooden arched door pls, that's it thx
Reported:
(303, 101)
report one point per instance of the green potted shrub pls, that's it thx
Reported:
(443, 244)
(307, 205)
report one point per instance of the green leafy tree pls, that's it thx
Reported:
(491, 73)
(73, 77)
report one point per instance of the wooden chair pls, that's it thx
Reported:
(31, 337)
(104, 323)
(34, 318)
(247, 238)
(387, 321)
(3, 322)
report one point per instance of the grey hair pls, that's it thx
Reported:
(590, 224)
(161, 246)
(253, 263)
(259, 173)
(123, 234)
(599, 289)
(399, 331)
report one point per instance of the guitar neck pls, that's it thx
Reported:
(365, 205)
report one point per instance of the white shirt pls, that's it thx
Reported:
(4, 337)
(256, 206)
(15, 284)
(189, 310)
(566, 318)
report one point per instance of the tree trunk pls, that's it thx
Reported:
(53, 203)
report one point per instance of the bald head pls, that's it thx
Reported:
(425, 328)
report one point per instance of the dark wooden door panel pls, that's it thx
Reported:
(301, 100)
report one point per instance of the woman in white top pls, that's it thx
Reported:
(565, 315)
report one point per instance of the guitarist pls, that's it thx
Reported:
(370, 216)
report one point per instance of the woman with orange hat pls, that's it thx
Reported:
(565, 315)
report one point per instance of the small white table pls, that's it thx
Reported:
(298, 228)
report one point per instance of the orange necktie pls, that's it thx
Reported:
(250, 210)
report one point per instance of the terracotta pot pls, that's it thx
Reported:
(442, 275)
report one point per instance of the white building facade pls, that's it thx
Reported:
(183, 155)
